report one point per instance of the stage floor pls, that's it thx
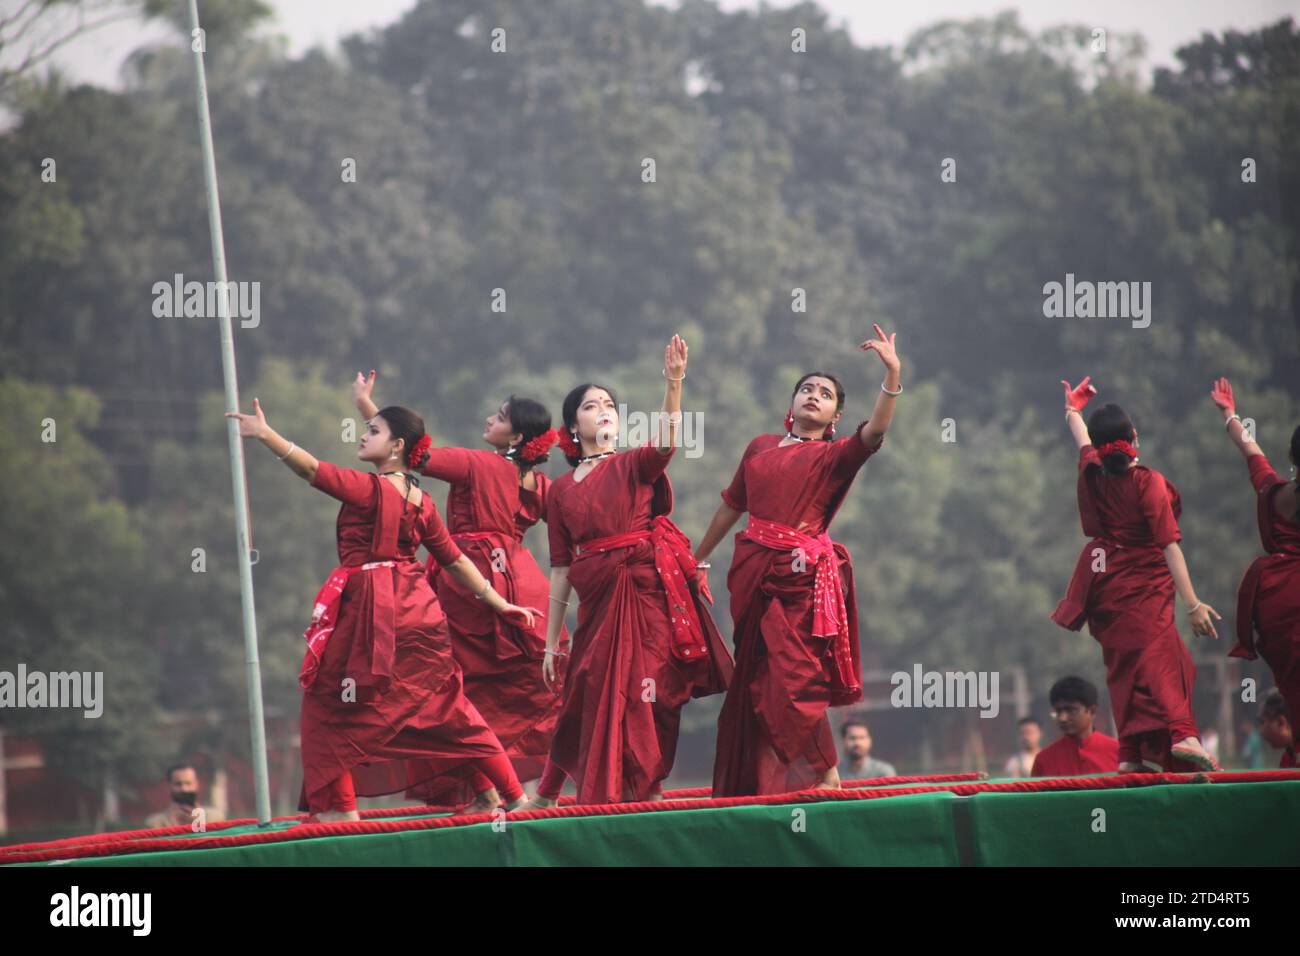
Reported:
(1218, 819)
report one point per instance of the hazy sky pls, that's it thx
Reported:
(1166, 24)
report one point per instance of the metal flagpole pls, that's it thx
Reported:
(252, 665)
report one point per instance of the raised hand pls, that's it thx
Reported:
(363, 386)
(251, 426)
(1079, 396)
(883, 346)
(675, 358)
(1221, 394)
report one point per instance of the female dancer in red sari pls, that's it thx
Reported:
(1123, 586)
(496, 495)
(792, 599)
(383, 708)
(645, 643)
(1268, 600)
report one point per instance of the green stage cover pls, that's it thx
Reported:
(1219, 824)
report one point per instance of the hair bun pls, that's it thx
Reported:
(538, 446)
(419, 453)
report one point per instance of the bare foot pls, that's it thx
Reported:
(335, 816)
(538, 803)
(518, 803)
(1190, 749)
(485, 802)
(831, 781)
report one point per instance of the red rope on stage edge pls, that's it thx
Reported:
(418, 810)
(118, 845)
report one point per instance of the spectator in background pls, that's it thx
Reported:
(1083, 750)
(183, 780)
(1275, 726)
(858, 764)
(1031, 740)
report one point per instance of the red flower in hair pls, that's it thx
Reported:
(1113, 446)
(417, 450)
(538, 446)
(569, 446)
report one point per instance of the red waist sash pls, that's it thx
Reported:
(676, 567)
(324, 616)
(830, 614)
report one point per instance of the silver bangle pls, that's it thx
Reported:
(888, 392)
(556, 653)
(558, 601)
(1192, 610)
(482, 594)
(670, 378)
(1228, 421)
(292, 446)
(704, 564)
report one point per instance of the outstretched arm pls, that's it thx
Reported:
(1284, 498)
(301, 462)
(361, 392)
(674, 372)
(1076, 399)
(883, 413)
(464, 571)
(1221, 395)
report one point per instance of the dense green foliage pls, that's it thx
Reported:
(522, 171)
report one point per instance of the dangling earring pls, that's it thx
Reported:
(830, 430)
(789, 420)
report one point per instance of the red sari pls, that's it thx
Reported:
(1268, 600)
(633, 666)
(773, 732)
(488, 512)
(1128, 604)
(405, 721)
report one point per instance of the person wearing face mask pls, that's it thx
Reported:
(183, 781)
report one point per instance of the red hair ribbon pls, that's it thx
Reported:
(418, 449)
(538, 446)
(1113, 446)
